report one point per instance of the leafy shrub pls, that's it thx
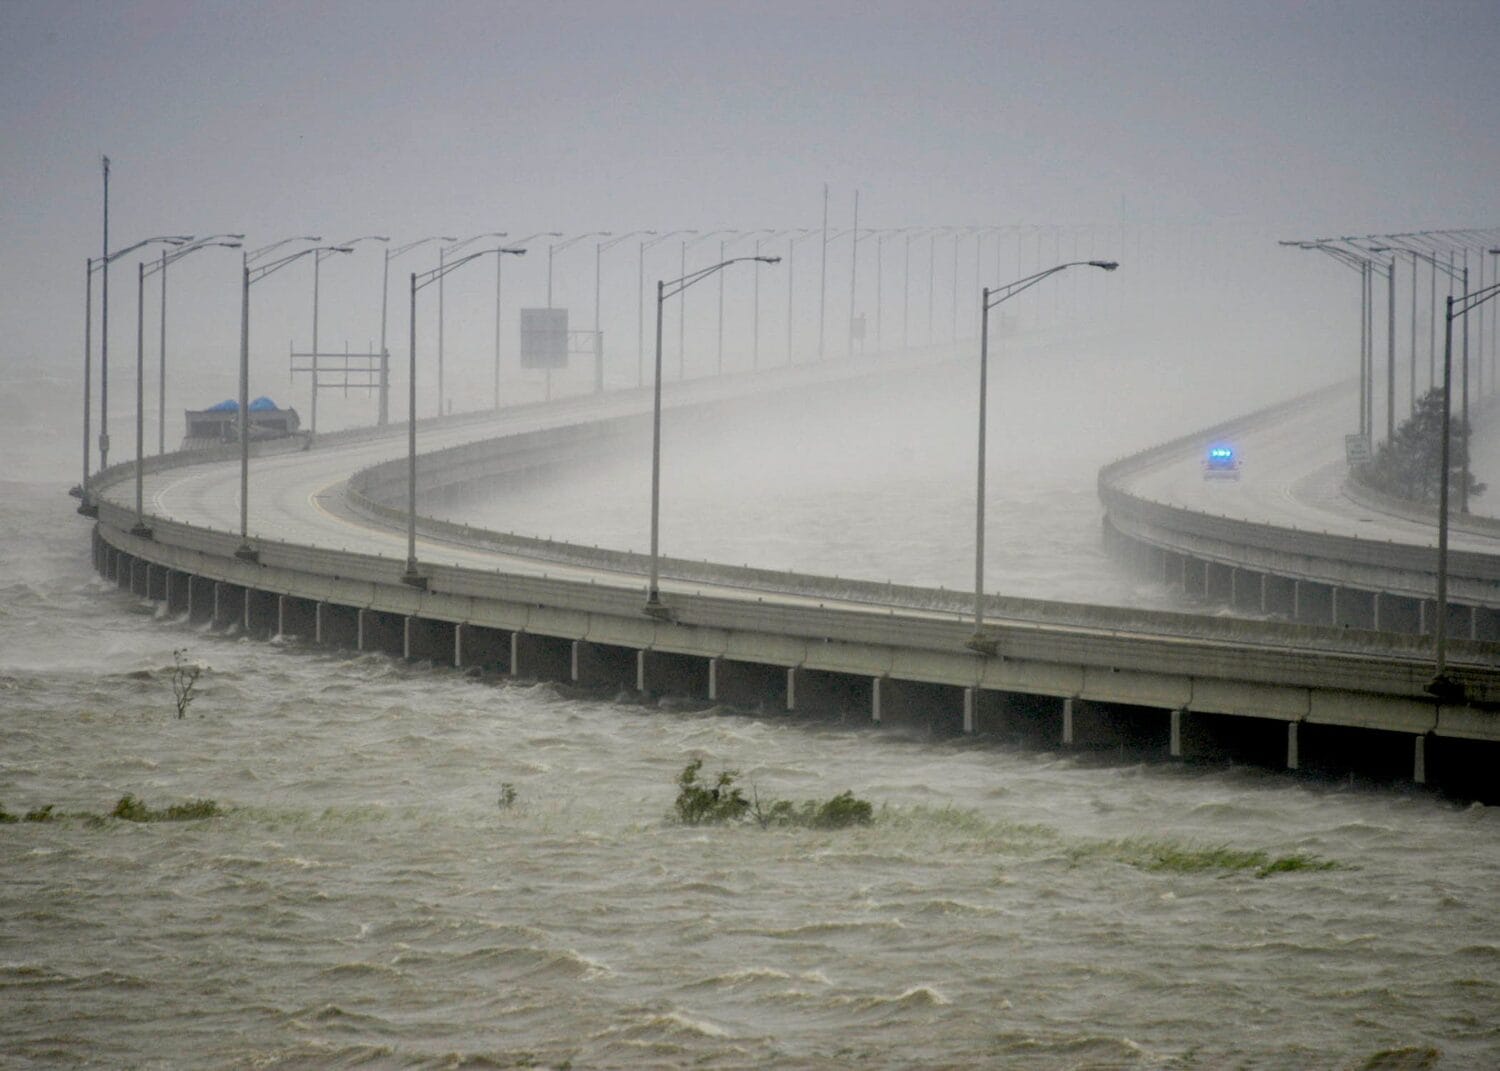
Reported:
(698, 804)
(701, 804)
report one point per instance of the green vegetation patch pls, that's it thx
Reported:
(722, 802)
(1165, 856)
(130, 809)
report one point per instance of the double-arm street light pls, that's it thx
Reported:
(225, 241)
(499, 271)
(91, 265)
(1366, 263)
(385, 292)
(988, 300)
(724, 244)
(880, 237)
(640, 301)
(141, 271)
(413, 575)
(318, 259)
(557, 247)
(1442, 685)
(249, 276)
(666, 290)
(600, 248)
(764, 236)
(444, 252)
(682, 249)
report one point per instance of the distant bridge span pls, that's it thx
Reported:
(1175, 684)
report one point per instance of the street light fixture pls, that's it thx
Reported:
(499, 273)
(683, 247)
(724, 244)
(1442, 685)
(640, 302)
(385, 292)
(413, 575)
(142, 270)
(249, 276)
(86, 505)
(989, 299)
(443, 253)
(665, 290)
(599, 250)
(318, 259)
(224, 241)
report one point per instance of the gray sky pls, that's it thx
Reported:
(347, 118)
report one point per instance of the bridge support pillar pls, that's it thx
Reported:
(261, 613)
(201, 599)
(229, 605)
(815, 691)
(381, 632)
(1293, 759)
(1419, 759)
(1067, 722)
(1107, 726)
(426, 640)
(336, 626)
(1035, 720)
(486, 648)
(603, 665)
(752, 685)
(296, 617)
(156, 582)
(935, 708)
(1175, 747)
(138, 577)
(179, 584)
(538, 657)
(664, 673)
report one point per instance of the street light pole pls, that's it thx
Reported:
(312, 429)
(988, 300)
(682, 311)
(86, 504)
(160, 267)
(599, 250)
(443, 253)
(793, 237)
(664, 290)
(413, 575)
(1442, 685)
(640, 302)
(385, 292)
(249, 275)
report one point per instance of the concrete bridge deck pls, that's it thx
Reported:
(1180, 685)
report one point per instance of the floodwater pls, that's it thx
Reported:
(367, 901)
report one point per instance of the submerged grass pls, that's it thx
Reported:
(131, 809)
(1160, 856)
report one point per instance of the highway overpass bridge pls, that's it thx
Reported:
(1330, 693)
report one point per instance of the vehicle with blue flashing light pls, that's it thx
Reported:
(1221, 463)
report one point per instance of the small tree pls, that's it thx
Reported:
(1407, 466)
(184, 681)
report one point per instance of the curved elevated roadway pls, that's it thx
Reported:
(332, 555)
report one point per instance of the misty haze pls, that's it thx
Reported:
(931, 536)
